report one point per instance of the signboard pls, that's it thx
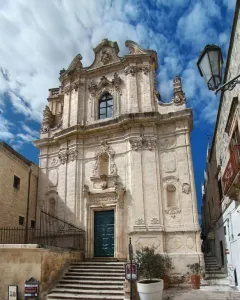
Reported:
(134, 271)
(31, 288)
(12, 292)
(211, 235)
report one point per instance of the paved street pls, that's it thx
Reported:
(205, 293)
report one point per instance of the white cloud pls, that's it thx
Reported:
(25, 137)
(194, 26)
(38, 38)
(20, 106)
(5, 129)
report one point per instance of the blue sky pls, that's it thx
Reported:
(38, 38)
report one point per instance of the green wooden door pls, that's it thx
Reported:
(104, 233)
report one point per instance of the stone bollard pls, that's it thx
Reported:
(126, 287)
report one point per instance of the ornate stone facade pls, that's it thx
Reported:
(137, 162)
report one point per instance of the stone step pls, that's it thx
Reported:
(107, 263)
(118, 267)
(93, 278)
(215, 281)
(210, 261)
(102, 270)
(211, 265)
(68, 296)
(89, 292)
(89, 281)
(212, 269)
(103, 259)
(89, 286)
(115, 274)
(214, 272)
(213, 276)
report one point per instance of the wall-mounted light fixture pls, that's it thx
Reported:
(210, 64)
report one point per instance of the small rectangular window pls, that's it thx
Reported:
(220, 191)
(32, 224)
(16, 182)
(225, 230)
(21, 220)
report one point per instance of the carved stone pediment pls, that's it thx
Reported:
(104, 182)
(104, 82)
(112, 192)
(105, 53)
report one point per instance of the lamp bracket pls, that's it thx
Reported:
(228, 86)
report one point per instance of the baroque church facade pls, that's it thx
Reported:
(116, 161)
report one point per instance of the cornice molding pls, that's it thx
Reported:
(125, 122)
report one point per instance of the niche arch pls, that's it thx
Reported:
(171, 188)
(104, 161)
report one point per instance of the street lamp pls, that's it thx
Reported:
(210, 64)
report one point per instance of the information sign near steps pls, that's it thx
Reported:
(134, 271)
(31, 289)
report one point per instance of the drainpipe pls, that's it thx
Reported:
(28, 199)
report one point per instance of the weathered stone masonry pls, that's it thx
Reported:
(137, 161)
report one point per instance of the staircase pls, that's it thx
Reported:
(91, 280)
(213, 273)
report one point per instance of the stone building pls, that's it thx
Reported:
(116, 161)
(221, 210)
(18, 186)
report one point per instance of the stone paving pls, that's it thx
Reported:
(202, 294)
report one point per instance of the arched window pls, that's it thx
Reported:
(106, 106)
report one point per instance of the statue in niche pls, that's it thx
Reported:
(104, 183)
(103, 163)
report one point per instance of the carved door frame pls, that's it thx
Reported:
(119, 251)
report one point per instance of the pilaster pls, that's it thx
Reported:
(66, 107)
(132, 90)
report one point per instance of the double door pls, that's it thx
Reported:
(104, 233)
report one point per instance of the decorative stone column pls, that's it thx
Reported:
(130, 73)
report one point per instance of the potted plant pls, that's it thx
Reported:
(151, 269)
(195, 271)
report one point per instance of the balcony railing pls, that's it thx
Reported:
(53, 231)
(232, 169)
